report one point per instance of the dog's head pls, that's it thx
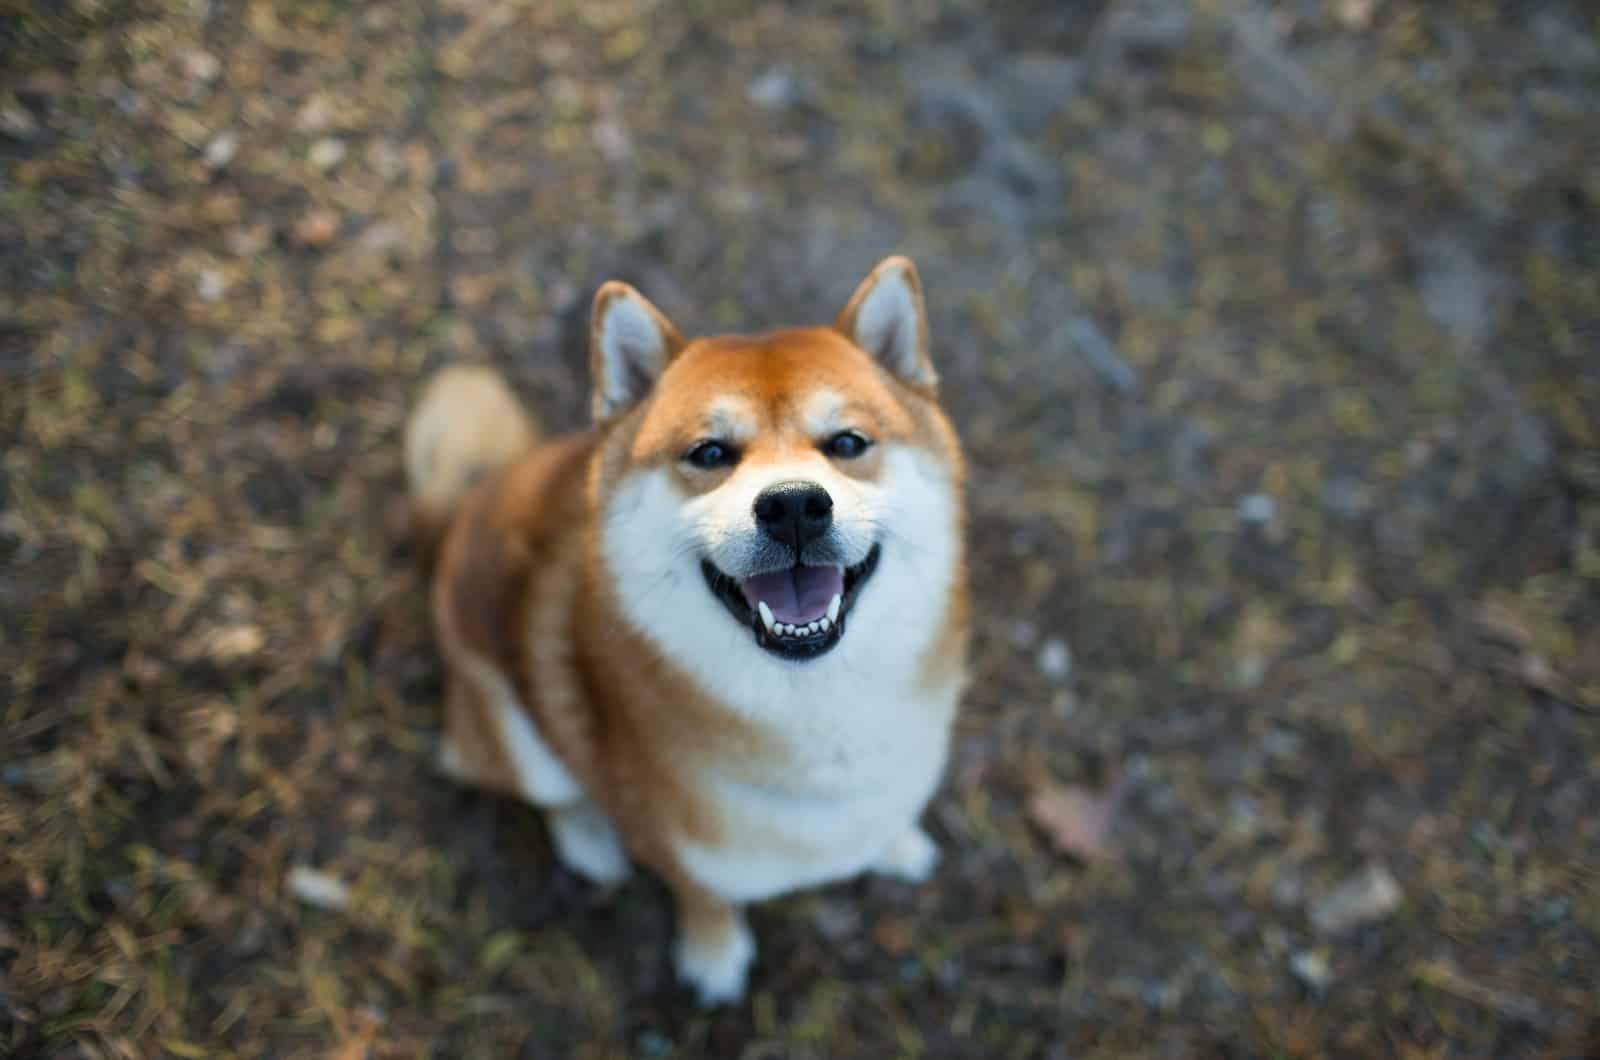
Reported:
(783, 489)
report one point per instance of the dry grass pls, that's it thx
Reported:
(1311, 489)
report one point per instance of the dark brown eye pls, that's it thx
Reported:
(846, 445)
(711, 454)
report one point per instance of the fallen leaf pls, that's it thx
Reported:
(894, 935)
(355, 1044)
(234, 642)
(1078, 819)
(317, 228)
(1502, 618)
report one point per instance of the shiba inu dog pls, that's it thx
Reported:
(723, 633)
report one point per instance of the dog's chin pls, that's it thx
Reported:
(799, 613)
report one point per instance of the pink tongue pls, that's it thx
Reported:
(796, 596)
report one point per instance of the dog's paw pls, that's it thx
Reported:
(717, 967)
(587, 843)
(911, 857)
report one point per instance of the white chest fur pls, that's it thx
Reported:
(857, 773)
(859, 738)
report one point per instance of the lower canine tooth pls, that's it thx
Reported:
(833, 608)
(766, 614)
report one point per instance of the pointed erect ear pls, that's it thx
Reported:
(630, 343)
(886, 318)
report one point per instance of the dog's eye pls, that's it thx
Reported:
(712, 454)
(846, 445)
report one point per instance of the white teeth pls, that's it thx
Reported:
(833, 608)
(787, 629)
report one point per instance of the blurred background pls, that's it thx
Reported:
(1271, 328)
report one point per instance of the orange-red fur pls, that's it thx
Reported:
(521, 585)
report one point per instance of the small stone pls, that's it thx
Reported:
(211, 285)
(315, 115)
(1460, 290)
(1553, 911)
(1055, 659)
(554, 53)
(1311, 968)
(1282, 743)
(1268, 70)
(1161, 996)
(201, 66)
(1563, 41)
(1250, 670)
(836, 921)
(1139, 33)
(1245, 817)
(611, 139)
(381, 238)
(1371, 894)
(1355, 14)
(1036, 87)
(128, 101)
(328, 152)
(18, 122)
(317, 888)
(1258, 508)
(1287, 889)
(249, 240)
(653, 1044)
(776, 89)
(386, 158)
(1064, 705)
(1101, 354)
(222, 149)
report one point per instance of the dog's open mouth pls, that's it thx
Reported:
(798, 612)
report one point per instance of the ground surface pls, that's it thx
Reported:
(1273, 333)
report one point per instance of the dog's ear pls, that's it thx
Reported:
(886, 318)
(630, 343)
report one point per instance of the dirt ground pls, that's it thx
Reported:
(1273, 330)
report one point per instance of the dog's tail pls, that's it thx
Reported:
(466, 425)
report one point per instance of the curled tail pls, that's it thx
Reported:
(466, 424)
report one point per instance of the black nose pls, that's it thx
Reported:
(794, 512)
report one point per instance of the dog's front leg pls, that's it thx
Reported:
(911, 857)
(714, 947)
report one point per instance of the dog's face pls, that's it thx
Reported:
(781, 481)
(776, 450)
